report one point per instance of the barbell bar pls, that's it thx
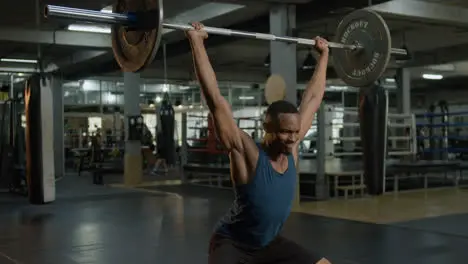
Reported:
(131, 18)
(363, 58)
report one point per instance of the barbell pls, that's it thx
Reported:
(362, 44)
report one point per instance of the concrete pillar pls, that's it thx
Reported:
(404, 90)
(57, 104)
(403, 97)
(133, 173)
(283, 57)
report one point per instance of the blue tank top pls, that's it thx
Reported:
(262, 206)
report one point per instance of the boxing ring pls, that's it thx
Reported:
(332, 157)
(341, 140)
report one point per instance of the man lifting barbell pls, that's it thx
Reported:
(264, 175)
(362, 52)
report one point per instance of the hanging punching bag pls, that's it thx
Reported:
(40, 172)
(166, 127)
(373, 105)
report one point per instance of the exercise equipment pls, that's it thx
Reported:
(362, 67)
(165, 134)
(373, 110)
(275, 89)
(40, 168)
(363, 37)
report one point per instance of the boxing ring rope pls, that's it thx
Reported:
(443, 125)
(459, 113)
(350, 154)
(354, 111)
(352, 139)
(439, 142)
(395, 125)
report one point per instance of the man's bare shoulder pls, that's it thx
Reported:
(244, 160)
(249, 145)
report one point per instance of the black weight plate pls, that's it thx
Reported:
(362, 67)
(135, 48)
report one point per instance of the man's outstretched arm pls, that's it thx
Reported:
(226, 129)
(315, 89)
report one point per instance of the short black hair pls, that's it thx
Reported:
(281, 107)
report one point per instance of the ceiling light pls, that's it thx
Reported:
(246, 97)
(18, 60)
(432, 76)
(89, 28)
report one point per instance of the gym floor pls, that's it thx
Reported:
(172, 224)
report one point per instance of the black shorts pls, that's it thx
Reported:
(281, 251)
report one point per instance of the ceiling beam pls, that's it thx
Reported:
(422, 10)
(74, 59)
(80, 64)
(61, 38)
(444, 55)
